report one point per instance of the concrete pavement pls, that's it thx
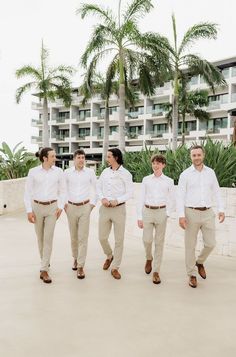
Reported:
(99, 316)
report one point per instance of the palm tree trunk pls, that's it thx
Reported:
(106, 132)
(183, 128)
(175, 116)
(234, 133)
(45, 123)
(122, 106)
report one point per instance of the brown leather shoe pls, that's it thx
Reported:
(201, 270)
(156, 278)
(80, 273)
(115, 274)
(148, 266)
(45, 277)
(107, 263)
(193, 281)
(75, 265)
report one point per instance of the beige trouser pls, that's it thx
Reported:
(44, 228)
(154, 219)
(198, 220)
(78, 219)
(117, 216)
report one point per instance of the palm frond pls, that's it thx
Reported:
(23, 89)
(105, 15)
(137, 9)
(28, 71)
(203, 30)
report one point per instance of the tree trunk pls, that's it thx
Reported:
(183, 128)
(106, 133)
(45, 123)
(175, 115)
(122, 117)
(234, 133)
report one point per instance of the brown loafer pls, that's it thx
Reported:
(107, 263)
(45, 277)
(75, 265)
(156, 278)
(115, 274)
(148, 266)
(193, 281)
(80, 273)
(201, 270)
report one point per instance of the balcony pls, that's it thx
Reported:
(155, 112)
(36, 139)
(36, 106)
(214, 105)
(36, 122)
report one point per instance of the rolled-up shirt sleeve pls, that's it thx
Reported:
(171, 200)
(93, 195)
(28, 193)
(62, 191)
(217, 194)
(129, 188)
(180, 196)
(141, 201)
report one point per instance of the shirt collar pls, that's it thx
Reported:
(74, 169)
(52, 167)
(162, 176)
(192, 168)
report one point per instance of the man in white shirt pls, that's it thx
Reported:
(155, 205)
(44, 200)
(114, 188)
(197, 187)
(81, 190)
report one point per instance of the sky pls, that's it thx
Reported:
(24, 23)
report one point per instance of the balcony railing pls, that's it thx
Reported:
(155, 112)
(36, 139)
(36, 122)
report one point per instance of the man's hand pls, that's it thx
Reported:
(58, 212)
(113, 203)
(140, 223)
(183, 222)
(221, 216)
(105, 202)
(31, 217)
(92, 206)
(66, 206)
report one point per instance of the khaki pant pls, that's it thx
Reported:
(44, 228)
(78, 219)
(154, 220)
(198, 220)
(107, 217)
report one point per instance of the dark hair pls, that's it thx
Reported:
(117, 154)
(197, 147)
(158, 158)
(43, 152)
(79, 152)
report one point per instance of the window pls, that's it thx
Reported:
(159, 129)
(84, 132)
(213, 125)
(64, 115)
(113, 129)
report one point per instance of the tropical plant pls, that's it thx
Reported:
(180, 59)
(191, 103)
(234, 133)
(130, 50)
(49, 83)
(15, 163)
(217, 156)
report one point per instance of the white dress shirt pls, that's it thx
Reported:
(81, 185)
(45, 185)
(115, 185)
(157, 191)
(197, 189)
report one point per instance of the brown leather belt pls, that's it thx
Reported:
(45, 203)
(119, 204)
(155, 207)
(79, 203)
(200, 208)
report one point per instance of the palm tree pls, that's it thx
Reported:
(180, 59)
(191, 103)
(104, 86)
(234, 133)
(50, 83)
(129, 51)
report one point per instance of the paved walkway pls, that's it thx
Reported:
(99, 316)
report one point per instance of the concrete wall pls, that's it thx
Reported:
(11, 195)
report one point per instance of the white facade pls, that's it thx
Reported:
(82, 126)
